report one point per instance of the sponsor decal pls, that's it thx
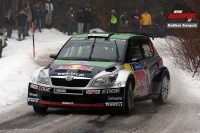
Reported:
(114, 104)
(81, 62)
(60, 90)
(35, 100)
(137, 66)
(32, 94)
(41, 88)
(109, 91)
(93, 92)
(76, 67)
(34, 86)
(114, 98)
(119, 84)
(72, 74)
(67, 102)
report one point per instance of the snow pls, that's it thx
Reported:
(18, 63)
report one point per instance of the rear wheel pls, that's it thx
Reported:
(38, 109)
(128, 97)
(162, 99)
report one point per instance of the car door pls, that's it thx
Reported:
(136, 61)
(150, 61)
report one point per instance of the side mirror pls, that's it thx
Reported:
(135, 60)
(53, 56)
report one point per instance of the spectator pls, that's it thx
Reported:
(41, 5)
(80, 20)
(48, 14)
(145, 22)
(89, 20)
(22, 17)
(86, 21)
(27, 4)
(37, 15)
(136, 21)
(71, 20)
(3, 43)
(9, 21)
(124, 22)
(28, 11)
(161, 22)
(113, 21)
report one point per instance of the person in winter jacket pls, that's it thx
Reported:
(48, 14)
(161, 23)
(3, 43)
(37, 16)
(113, 21)
(9, 21)
(89, 17)
(80, 20)
(145, 22)
(136, 21)
(71, 20)
(86, 21)
(21, 17)
(28, 11)
(124, 22)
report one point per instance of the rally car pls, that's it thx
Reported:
(101, 70)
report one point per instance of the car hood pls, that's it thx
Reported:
(79, 68)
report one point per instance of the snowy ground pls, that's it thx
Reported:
(18, 63)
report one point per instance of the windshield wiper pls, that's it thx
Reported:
(92, 49)
(117, 52)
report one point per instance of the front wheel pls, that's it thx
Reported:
(128, 97)
(41, 110)
(162, 98)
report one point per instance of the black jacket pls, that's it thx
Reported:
(80, 17)
(9, 20)
(37, 13)
(161, 20)
(89, 17)
(22, 19)
(86, 17)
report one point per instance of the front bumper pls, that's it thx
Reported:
(95, 98)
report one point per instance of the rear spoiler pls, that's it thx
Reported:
(99, 35)
(144, 34)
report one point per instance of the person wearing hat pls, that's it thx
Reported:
(80, 20)
(124, 22)
(160, 23)
(145, 22)
(136, 21)
(9, 21)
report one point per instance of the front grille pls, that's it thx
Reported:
(73, 83)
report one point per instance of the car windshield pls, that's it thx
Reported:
(103, 50)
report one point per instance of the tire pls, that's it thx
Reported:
(41, 110)
(164, 91)
(128, 97)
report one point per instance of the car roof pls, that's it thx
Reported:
(110, 35)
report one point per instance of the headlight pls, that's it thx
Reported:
(105, 80)
(42, 78)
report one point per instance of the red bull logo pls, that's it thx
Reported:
(76, 67)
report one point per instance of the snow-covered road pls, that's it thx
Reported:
(180, 115)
